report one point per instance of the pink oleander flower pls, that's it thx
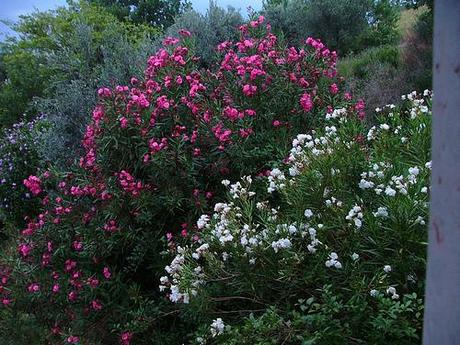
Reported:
(77, 245)
(46, 258)
(104, 92)
(223, 135)
(249, 90)
(184, 33)
(106, 272)
(70, 265)
(33, 287)
(245, 132)
(123, 122)
(196, 152)
(96, 305)
(306, 102)
(334, 89)
(170, 41)
(232, 113)
(163, 103)
(126, 337)
(33, 183)
(138, 99)
(72, 296)
(93, 282)
(24, 249)
(359, 107)
(73, 339)
(55, 288)
(303, 82)
(111, 226)
(129, 184)
(250, 112)
(6, 301)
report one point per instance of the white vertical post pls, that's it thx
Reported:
(442, 301)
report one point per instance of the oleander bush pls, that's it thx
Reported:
(154, 155)
(329, 248)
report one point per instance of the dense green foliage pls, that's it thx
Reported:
(158, 13)
(374, 22)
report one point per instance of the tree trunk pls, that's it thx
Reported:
(442, 301)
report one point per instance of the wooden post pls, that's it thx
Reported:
(442, 301)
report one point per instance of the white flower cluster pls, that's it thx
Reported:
(387, 268)
(276, 180)
(305, 146)
(281, 244)
(355, 215)
(239, 190)
(203, 222)
(382, 212)
(340, 114)
(172, 282)
(418, 108)
(389, 106)
(333, 202)
(375, 179)
(419, 104)
(217, 327)
(392, 292)
(333, 261)
(377, 172)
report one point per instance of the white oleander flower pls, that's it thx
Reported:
(217, 327)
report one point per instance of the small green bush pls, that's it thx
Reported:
(358, 66)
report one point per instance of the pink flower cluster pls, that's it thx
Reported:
(306, 102)
(5, 293)
(111, 226)
(33, 183)
(126, 337)
(129, 184)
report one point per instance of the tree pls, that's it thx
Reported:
(383, 25)
(53, 48)
(268, 3)
(443, 273)
(337, 23)
(159, 13)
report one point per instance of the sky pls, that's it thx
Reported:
(12, 9)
